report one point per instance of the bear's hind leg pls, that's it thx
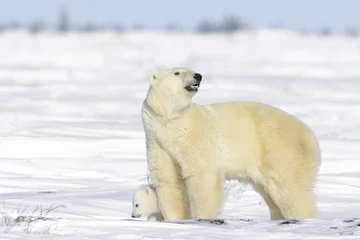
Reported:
(294, 203)
(300, 206)
(275, 213)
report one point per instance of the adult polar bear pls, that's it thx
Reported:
(192, 149)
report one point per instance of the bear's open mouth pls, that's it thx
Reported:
(193, 88)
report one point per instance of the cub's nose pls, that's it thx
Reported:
(132, 216)
(198, 76)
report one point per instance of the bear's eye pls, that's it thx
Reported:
(176, 73)
(136, 205)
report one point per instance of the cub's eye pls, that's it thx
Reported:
(177, 73)
(136, 205)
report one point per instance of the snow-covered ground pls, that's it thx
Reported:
(71, 135)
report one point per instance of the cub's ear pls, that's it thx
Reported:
(148, 189)
(153, 78)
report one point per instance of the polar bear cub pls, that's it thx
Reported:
(145, 204)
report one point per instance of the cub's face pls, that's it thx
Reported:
(177, 82)
(144, 202)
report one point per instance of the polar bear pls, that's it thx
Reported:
(190, 146)
(145, 204)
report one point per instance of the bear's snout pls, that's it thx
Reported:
(198, 77)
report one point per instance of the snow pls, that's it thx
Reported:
(71, 135)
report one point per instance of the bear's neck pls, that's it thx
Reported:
(164, 106)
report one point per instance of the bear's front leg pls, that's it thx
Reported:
(206, 192)
(169, 185)
(155, 217)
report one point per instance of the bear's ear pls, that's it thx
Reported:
(153, 77)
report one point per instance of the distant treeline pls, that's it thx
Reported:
(228, 24)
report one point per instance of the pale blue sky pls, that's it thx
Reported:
(297, 14)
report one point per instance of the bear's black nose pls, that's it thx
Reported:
(198, 76)
(132, 216)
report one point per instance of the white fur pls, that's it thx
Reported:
(192, 149)
(145, 204)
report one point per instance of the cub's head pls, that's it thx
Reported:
(177, 82)
(144, 201)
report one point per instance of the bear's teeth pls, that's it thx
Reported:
(195, 86)
(192, 87)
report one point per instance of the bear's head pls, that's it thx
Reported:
(144, 201)
(172, 91)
